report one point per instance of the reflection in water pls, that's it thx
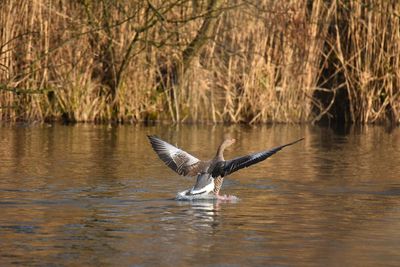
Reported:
(97, 195)
(203, 213)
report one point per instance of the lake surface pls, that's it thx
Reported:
(90, 195)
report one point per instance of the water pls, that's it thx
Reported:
(89, 195)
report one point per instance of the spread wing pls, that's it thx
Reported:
(178, 160)
(230, 166)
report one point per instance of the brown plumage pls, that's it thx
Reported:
(210, 173)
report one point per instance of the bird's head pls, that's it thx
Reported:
(229, 142)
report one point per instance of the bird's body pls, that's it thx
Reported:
(210, 174)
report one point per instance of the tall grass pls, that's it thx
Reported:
(267, 61)
(364, 42)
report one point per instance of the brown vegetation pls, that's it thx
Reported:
(210, 60)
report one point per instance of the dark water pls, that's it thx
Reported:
(98, 196)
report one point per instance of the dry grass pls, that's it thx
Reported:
(369, 59)
(119, 60)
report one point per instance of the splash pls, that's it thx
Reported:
(181, 196)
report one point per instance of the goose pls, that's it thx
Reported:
(210, 173)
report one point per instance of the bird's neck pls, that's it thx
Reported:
(220, 152)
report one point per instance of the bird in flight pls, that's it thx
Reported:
(210, 173)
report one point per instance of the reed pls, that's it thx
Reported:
(200, 61)
(370, 62)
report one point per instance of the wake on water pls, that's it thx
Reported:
(181, 196)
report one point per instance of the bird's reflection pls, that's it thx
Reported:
(202, 214)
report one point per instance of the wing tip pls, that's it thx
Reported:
(153, 139)
(298, 140)
(155, 142)
(294, 142)
(288, 144)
